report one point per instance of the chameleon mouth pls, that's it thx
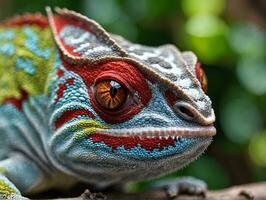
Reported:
(154, 132)
(148, 138)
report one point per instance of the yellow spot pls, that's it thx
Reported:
(5, 190)
(257, 149)
(2, 170)
(87, 127)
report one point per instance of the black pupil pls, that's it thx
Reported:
(114, 88)
(113, 91)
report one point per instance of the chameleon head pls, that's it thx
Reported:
(122, 111)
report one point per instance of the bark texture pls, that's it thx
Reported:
(256, 191)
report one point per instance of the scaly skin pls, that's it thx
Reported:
(78, 104)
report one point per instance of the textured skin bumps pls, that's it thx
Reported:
(54, 131)
(26, 57)
(5, 190)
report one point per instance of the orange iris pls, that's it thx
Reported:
(110, 94)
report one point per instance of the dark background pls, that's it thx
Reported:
(229, 39)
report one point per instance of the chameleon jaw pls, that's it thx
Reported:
(167, 132)
(150, 138)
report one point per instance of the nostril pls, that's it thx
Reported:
(185, 112)
(189, 112)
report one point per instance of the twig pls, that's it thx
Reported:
(256, 191)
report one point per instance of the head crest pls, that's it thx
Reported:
(80, 38)
(84, 41)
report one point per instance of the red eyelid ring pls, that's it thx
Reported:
(130, 78)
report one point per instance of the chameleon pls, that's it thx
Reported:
(79, 104)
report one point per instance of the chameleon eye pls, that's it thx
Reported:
(110, 94)
(201, 76)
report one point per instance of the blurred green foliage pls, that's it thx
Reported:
(232, 53)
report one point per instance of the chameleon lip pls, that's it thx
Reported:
(167, 132)
(148, 138)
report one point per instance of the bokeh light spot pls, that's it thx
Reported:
(252, 74)
(205, 26)
(257, 149)
(208, 169)
(247, 40)
(206, 36)
(194, 7)
(103, 11)
(240, 118)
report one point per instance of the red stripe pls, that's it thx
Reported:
(131, 142)
(28, 19)
(62, 87)
(60, 73)
(17, 102)
(171, 97)
(61, 21)
(71, 114)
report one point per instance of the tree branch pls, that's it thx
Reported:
(256, 191)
